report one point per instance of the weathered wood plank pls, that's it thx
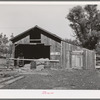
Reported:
(35, 60)
(86, 60)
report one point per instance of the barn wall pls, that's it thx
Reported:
(89, 59)
(65, 55)
(25, 40)
(87, 56)
(55, 48)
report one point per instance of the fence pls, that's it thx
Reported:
(76, 57)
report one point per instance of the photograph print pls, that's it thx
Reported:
(50, 46)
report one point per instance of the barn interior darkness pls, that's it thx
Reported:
(34, 50)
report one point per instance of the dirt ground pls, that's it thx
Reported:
(58, 79)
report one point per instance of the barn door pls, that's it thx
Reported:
(77, 59)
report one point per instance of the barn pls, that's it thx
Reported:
(36, 43)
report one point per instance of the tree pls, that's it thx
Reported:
(74, 42)
(3, 44)
(85, 21)
(12, 35)
(10, 45)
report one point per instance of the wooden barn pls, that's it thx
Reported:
(37, 43)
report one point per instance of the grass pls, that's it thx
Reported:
(57, 79)
(60, 79)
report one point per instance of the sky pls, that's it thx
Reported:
(19, 18)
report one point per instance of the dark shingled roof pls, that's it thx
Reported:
(43, 31)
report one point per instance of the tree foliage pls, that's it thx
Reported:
(85, 21)
(3, 44)
(73, 42)
(10, 45)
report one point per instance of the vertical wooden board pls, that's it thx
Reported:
(67, 56)
(68, 47)
(67, 62)
(88, 60)
(63, 55)
(73, 61)
(84, 63)
(90, 57)
(90, 63)
(92, 60)
(84, 59)
(44, 39)
(55, 46)
(94, 55)
(59, 47)
(70, 55)
(52, 46)
(47, 41)
(52, 49)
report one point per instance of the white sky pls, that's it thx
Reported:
(18, 18)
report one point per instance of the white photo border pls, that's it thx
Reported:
(57, 94)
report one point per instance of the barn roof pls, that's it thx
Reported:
(43, 31)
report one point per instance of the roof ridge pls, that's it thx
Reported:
(36, 26)
(48, 32)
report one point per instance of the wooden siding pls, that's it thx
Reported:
(64, 53)
(89, 59)
(86, 61)
(55, 48)
(25, 40)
